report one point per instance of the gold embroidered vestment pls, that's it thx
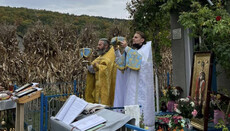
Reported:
(100, 86)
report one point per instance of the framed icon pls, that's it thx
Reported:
(200, 87)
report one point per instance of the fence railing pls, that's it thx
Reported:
(38, 111)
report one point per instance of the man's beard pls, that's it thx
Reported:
(101, 51)
(137, 46)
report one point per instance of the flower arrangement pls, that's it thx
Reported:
(219, 101)
(221, 106)
(215, 100)
(173, 93)
(174, 122)
(164, 119)
(186, 108)
(177, 123)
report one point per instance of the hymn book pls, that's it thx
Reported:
(88, 122)
(71, 109)
(24, 87)
(26, 92)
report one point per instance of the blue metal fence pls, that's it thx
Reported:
(49, 98)
(50, 103)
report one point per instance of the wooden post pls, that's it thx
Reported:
(19, 117)
(20, 109)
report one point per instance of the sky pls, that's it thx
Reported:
(104, 8)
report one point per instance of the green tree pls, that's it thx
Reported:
(149, 18)
(24, 18)
(22, 28)
(212, 25)
(197, 15)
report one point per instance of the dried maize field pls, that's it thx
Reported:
(51, 54)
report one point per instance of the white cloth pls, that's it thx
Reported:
(133, 111)
(137, 87)
(120, 89)
(7, 104)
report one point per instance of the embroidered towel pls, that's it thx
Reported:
(133, 111)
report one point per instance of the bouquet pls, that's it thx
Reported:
(219, 101)
(163, 119)
(221, 106)
(176, 122)
(186, 108)
(173, 93)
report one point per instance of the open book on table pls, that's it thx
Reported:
(71, 109)
(89, 122)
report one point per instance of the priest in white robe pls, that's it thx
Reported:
(134, 82)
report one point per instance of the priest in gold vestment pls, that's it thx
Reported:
(101, 76)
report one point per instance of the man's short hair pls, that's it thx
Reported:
(105, 40)
(142, 34)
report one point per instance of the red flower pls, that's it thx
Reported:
(229, 115)
(176, 121)
(218, 18)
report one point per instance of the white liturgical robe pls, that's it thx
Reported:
(136, 87)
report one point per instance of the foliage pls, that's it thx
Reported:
(184, 5)
(148, 18)
(197, 15)
(176, 5)
(212, 25)
(141, 124)
(186, 108)
(25, 18)
(222, 126)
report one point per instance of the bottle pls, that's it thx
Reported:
(11, 87)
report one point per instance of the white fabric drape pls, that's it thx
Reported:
(137, 87)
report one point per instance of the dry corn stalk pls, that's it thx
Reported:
(52, 54)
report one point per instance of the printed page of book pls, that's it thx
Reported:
(62, 112)
(30, 87)
(26, 92)
(23, 87)
(88, 122)
(71, 109)
(76, 108)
